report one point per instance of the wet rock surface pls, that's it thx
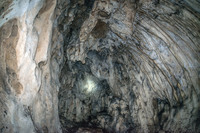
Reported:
(99, 66)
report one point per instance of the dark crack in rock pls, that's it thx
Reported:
(100, 30)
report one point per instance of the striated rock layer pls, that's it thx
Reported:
(99, 66)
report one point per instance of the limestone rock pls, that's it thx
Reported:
(99, 66)
(146, 61)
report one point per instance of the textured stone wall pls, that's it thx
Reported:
(141, 59)
(28, 100)
(99, 66)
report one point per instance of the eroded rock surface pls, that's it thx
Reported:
(142, 61)
(99, 66)
(28, 101)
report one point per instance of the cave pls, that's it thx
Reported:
(99, 66)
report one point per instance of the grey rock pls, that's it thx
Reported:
(99, 66)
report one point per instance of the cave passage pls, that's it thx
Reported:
(99, 66)
(119, 68)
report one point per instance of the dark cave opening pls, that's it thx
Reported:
(86, 100)
(88, 90)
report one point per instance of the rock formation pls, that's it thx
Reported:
(99, 66)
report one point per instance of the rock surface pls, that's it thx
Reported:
(99, 66)
(28, 100)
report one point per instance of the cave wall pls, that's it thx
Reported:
(116, 65)
(143, 59)
(28, 99)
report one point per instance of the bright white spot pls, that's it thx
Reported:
(90, 85)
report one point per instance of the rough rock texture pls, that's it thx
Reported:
(141, 59)
(28, 100)
(99, 66)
